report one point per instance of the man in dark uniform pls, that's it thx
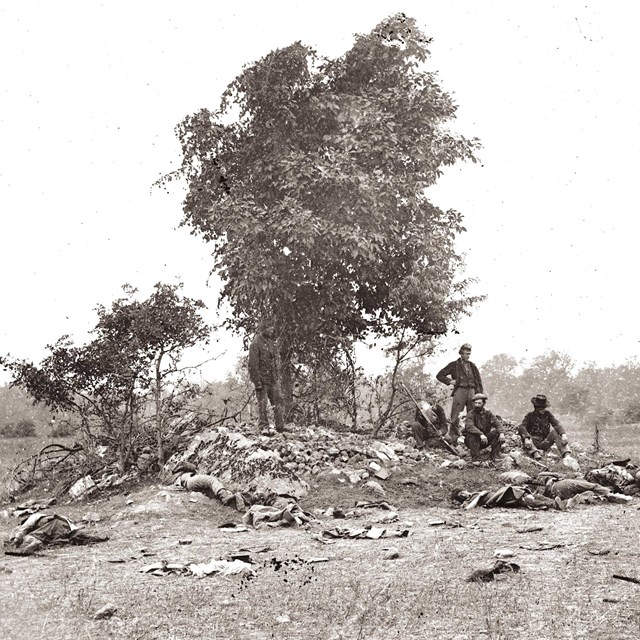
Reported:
(540, 430)
(466, 381)
(482, 429)
(263, 374)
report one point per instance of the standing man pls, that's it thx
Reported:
(263, 374)
(465, 380)
(540, 430)
(482, 429)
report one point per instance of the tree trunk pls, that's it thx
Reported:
(158, 400)
(286, 384)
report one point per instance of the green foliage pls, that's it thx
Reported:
(107, 383)
(310, 182)
(21, 429)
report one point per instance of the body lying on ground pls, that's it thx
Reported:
(42, 529)
(185, 475)
(544, 493)
(622, 476)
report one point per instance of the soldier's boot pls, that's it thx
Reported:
(226, 497)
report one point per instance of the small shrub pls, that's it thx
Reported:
(62, 430)
(22, 429)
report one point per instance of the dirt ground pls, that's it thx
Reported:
(565, 588)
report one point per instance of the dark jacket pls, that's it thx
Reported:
(538, 424)
(453, 372)
(482, 422)
(262, 361)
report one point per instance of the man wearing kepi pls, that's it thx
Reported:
(482, 429)
(466, 381)
(540, 430)
(263, 374)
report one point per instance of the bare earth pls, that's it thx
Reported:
(564, 592)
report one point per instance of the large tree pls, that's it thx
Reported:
(310, 181)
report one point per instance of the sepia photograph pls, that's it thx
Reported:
(318, 321)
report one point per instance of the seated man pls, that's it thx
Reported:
(429, 422)
(482, 429)
(540, 430)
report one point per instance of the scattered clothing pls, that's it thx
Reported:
(32, 506)
(217, 567)
(289, 515)
(372, 533)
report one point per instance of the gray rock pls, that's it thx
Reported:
(105, 612)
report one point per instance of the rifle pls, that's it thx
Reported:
(449, 447)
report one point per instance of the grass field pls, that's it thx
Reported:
(565, 588)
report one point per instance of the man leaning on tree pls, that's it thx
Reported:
(464, 378)
(263, 375)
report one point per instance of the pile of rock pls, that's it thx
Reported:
(281, 462)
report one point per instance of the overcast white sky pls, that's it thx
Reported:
(91, 92)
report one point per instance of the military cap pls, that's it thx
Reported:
(465, 347)
(479, 396)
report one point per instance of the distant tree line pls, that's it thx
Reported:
(604, 394)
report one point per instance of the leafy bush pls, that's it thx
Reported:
(62, 430)
(22, 429)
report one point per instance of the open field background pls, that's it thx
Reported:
(560, 592)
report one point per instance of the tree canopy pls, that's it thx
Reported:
(310, 182)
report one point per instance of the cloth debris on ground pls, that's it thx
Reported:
(43, 529)
(379, 504)
(233, 527)
(533, 529)
(32, 506)
(372, 533)
(290, 515)
(542, 546)
(489, 575)
(319, 538)
(451, 524)
(199, 570)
